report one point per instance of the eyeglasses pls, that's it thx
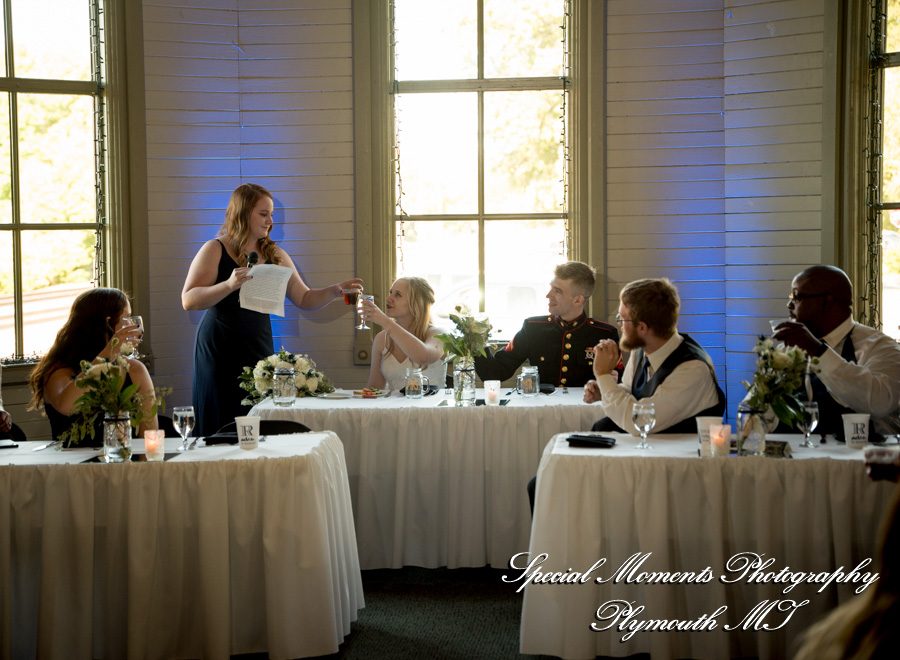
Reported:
(620, 320)
(793, 296)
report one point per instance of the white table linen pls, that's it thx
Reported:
(200, 556)
(815, 512)
(436, 485)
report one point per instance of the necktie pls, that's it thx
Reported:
(643, 376)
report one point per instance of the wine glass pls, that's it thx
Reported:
(139, 322)
(362, 319)
(183, 418)
(643, 416)
(808, 422)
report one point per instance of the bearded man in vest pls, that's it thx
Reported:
(858, 367)
(666, 368)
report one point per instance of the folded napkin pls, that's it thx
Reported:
(585, 440)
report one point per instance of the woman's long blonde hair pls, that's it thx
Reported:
(420, 298)
(237, 222)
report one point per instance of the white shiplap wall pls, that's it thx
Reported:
(714, 152)
(250, 91)
(666, 157)
(773, 164)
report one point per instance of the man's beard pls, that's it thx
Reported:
(627, 344)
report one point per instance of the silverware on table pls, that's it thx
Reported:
(46, 445)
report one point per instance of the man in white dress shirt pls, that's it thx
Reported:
(665, 368)
(858, 368)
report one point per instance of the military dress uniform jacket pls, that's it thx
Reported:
(562, 351)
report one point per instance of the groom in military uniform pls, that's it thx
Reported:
(560, 344)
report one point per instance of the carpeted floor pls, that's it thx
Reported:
(435, 614)
(452, 614)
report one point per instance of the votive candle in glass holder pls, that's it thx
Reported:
(492, 392)
(720, 439)
(155, 445)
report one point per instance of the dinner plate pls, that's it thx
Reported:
(335, 395)
(377, 396)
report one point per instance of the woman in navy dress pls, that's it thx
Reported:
(230, 338)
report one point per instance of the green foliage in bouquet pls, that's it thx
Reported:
(104, 394)
(468, 339)
(258, 381)
(780, 375)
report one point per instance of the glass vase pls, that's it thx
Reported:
(751, 439)
(283, 390)
(117, 438)
(464, 382)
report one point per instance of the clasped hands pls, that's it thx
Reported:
(606, 359)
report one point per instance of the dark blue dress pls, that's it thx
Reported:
(228, 339)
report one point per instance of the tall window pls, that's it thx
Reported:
(883, 198)
(51, 165)
(480, 95)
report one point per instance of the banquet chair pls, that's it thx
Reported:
(15, 433)
(166, 424)
(269, 427)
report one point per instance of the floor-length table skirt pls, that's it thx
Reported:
(817, 512)
(194, 557)
(436, 485)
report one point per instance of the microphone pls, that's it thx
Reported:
(252, 259)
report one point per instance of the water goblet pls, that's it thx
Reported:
(183, 418)
(139, 322)
(362, 318)
(643, 416)
(808, 423)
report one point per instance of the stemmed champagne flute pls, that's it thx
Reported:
(643, 416)
(362, 319)
(183, 418)
(135, 354)
(808, 422)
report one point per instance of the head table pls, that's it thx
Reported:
(215, 552)
(666, 510)
(437, 485)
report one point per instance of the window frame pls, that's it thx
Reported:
(122, 207)
(373, 124)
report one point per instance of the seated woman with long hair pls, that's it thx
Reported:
(96, 318)
(408, 336)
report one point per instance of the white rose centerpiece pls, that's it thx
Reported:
(258, 380)
(780, 375)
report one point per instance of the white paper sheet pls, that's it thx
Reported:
(266, 290)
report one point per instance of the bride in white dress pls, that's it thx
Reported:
(408, 337)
